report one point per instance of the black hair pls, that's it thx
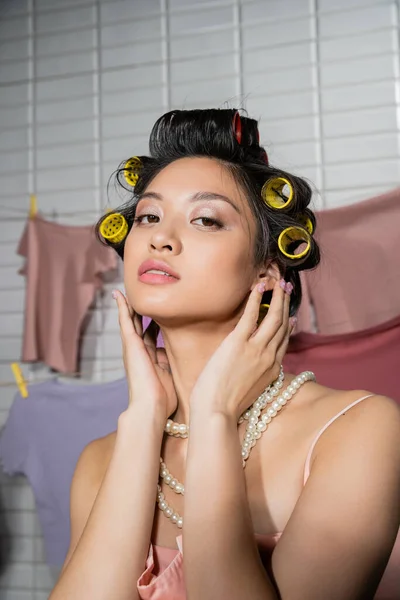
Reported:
(210, 133)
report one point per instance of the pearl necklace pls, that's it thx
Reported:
(257, 424)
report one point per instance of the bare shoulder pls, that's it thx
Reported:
(375, 421)
(99, 453)
(353, 488)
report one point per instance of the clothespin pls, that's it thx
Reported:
(33, 206)
(19, 378)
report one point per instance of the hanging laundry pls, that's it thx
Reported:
(159, 342)
(364, 360)
(43, 438)
(357, 284)
(63, 268)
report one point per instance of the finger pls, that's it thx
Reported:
(137, 321)
(276, 340)
(162, 359)
(281, 351)
(149, 339)
(248, 321)
(273, 321)
(135, 317)
(124, 315)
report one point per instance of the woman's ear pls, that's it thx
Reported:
(270, 274)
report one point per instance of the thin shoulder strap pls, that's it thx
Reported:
(321, 431)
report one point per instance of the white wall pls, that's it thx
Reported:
(82, 82)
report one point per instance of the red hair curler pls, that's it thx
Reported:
(237, 127)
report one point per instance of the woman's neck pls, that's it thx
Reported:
(188, 352)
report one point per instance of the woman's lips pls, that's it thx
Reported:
(157, 278)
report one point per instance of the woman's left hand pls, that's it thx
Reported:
(248, 360)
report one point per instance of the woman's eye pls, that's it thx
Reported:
(208, 222)
(140, 219)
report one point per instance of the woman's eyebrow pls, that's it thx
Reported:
(197, 197)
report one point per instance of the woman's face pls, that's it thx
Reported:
(207, 240)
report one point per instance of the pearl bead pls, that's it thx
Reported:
(257, 424)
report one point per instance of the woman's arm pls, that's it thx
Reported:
(341, 533)
(221, 558)
(111, 552)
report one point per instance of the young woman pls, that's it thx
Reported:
(221, 481)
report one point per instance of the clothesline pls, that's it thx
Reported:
(23, 213)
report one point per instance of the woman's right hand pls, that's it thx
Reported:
(147, 368)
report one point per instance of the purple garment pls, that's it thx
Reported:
(43, 438)
(146, 322)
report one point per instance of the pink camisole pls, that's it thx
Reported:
(163, 578)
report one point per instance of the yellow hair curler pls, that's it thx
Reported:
(114, 228)
(306, 222)
(272, 193)
(294, 234)
(262, 312)
(132, 169)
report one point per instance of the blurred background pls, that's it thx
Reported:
(81, 84)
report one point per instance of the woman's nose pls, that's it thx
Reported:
(165, 238)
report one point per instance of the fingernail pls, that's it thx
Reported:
(289, 288)
(282, 283)
(293, 321)
(114, 294)
(261, 287)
